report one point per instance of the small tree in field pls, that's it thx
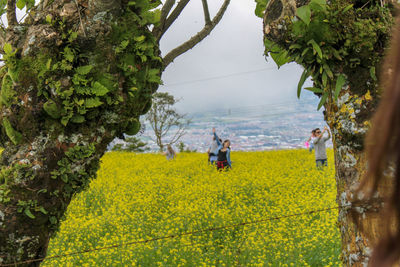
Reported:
(132, 144)
(164, 119)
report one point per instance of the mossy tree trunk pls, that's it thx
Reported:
(77, 74)
(349, 118)
(327, 39)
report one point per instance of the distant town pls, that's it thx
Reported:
(256, 128)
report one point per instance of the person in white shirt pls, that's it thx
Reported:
(319, 141)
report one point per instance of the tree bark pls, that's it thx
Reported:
(66, 94)
(349, 119)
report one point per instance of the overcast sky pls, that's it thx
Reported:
(235, 46)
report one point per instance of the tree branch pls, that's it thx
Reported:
(197, 38)
(163, 17)
(171, 18)
(11, 13)
(206, 12)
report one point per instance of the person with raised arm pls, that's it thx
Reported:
(319, 141)
(224, 153)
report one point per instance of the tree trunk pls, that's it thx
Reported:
(349, 112)
(76, 75)
(349, 120)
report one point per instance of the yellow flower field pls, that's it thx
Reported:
(144, 196)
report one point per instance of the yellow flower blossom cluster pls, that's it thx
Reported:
(144, 196)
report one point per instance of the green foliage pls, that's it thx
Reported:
(10, 175)
(279, 55)
(52, 109)
(132, 144)
(14, 135)
(7, 94)
(25, 3)
(133, 127)
(331, 42)
(28, 206)
(72, 170)
(260, 7)
(304, 13)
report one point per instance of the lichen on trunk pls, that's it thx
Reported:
(75, 77)
(341, 45)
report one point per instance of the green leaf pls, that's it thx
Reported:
(303, 78)
(41, 209)
(48, 64)
(77, 119)
(48, 19)
(53, 219)
(52, 109)
(21, 4)
(328, 71)
(153, 76)
(65, 120)
(347, 8)
(315, 47)
(281, 57)
(140, 38)
(260, 8)
(373, 74)
(341, 80)
(13, 134)
(64, 178)
(295, 46)
(42, 191)
(323, 100)
(99, 89)
(315, 90)
(304, 13)
(318, 5)
(324, 79)
(83, 70)
(7, 48)
(93, 102)
(337, 55)
(29, 213)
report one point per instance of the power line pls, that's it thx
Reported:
(219, 77)
(175, 236)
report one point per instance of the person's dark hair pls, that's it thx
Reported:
(383, 157)
(170, 149)
(313, 131)
(226, 140)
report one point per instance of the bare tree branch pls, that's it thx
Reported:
(11, 13)
(197, 38)
(164, 14)
(206, 12)
(171, 18)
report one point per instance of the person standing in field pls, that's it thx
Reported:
(309, 142)
(319, 141)
(224, 153)
(170, 153)
(213, 151)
